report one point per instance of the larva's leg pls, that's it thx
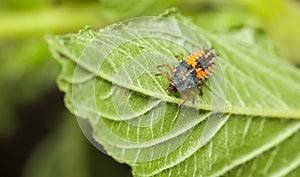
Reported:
(185, 98)
(193, 94)
(200, 90)
(164, 73)
(168, 66)
(178, 57)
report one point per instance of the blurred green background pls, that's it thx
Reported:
(38, 137)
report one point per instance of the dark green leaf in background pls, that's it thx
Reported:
(248, 119)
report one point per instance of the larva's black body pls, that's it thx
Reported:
(190, 72)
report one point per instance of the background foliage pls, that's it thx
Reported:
(34, 125)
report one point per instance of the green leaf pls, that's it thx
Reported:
(246, 117)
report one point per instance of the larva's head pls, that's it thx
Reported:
(171, 88)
